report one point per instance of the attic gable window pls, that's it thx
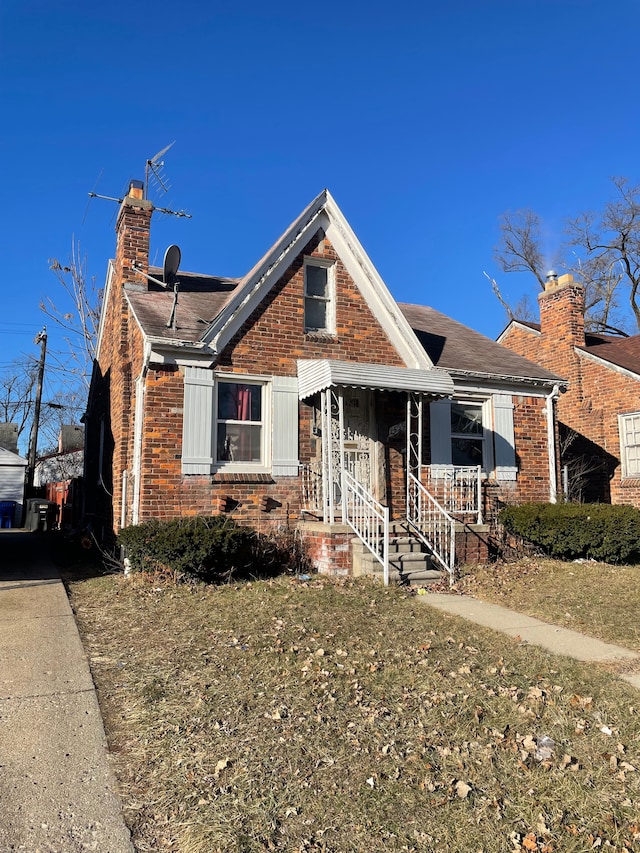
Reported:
(319, 296)
(630, 444)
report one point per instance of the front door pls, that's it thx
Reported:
(355, 442)
(357, 435)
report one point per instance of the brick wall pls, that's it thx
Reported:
(270, 342)
(595, 396)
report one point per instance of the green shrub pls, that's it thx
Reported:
(212, 549)
(610, 534)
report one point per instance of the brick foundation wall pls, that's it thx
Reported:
(329, 547)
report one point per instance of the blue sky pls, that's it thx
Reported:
(426, 121)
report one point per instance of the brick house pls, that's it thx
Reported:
(302, 394)
(599, 415)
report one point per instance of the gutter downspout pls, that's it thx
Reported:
(551, 443)
(137, 436)
(123, 508)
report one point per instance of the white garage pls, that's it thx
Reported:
(12, 468)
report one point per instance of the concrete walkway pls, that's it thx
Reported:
(561, 641)
(57, 790)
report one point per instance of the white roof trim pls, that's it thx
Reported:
(379, 299)
(317, 374)
(324, 213)
(518, 325)
(257, 283)
(106, 295)
(623, 371)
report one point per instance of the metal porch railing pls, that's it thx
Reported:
(312, 489)
(458, 489)
(368, 518)
(432, 524)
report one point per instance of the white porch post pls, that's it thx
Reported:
(339, 396)
(327, 479)
(414, 439)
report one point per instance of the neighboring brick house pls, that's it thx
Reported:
(254, 396)
(599, 415)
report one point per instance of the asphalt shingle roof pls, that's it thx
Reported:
(617, 350)
(449, 344)
(458, 348)
(200, 299)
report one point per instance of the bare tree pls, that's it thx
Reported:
(17, 403)
(602, 251)
(520, 244)
(17, 393)
(77, 314)
(524, 309)
(609, 246)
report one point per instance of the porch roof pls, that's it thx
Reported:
(318, 374)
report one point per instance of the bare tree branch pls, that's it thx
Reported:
(77, 315)
(604, 254)
(519, 249)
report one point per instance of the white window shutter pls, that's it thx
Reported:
(440, 427)
(197, 425)
(284, 455)
(504, 437)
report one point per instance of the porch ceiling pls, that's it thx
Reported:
(318, 374)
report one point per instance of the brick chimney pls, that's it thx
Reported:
(562, 310)
(562, 325)
(133, 227)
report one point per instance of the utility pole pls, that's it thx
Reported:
(41, 338)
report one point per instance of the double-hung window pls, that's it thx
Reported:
(467, 434)
(239, 422)
(630, 444)
(319, 300)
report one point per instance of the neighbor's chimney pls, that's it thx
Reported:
(133, 227)
(562, 327)
(562, 310)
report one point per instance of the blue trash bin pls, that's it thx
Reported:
(7, 513)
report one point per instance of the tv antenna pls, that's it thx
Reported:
(153, 170)
(169, 278)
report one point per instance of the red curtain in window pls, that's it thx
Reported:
(244, 414)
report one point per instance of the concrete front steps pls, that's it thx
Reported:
(409, 561)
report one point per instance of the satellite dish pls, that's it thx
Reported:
(171, 263)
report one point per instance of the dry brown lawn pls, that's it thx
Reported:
(595, 598)
(342, 716)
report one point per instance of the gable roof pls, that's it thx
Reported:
(616, 350)
(619, 352)
(463, 351)
(322, 213)
(7, 457)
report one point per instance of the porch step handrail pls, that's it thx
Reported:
(432, 524)
(368, 518)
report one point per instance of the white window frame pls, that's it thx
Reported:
(263, 466)
(492, 432)
(329, 300)
(480, 437)
(624, 421)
